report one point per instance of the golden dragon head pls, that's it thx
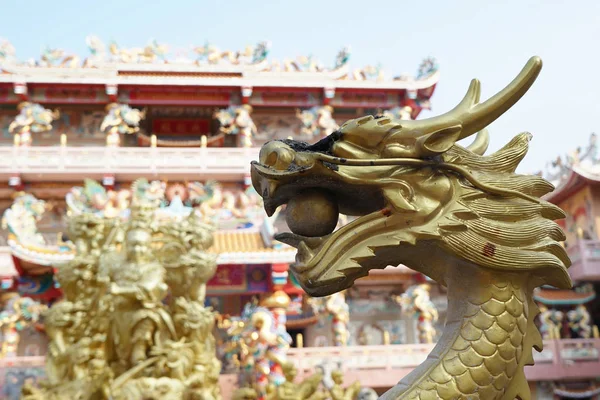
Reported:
(421, 199)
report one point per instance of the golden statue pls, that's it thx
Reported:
(337, 392)
(466, 220)
(115, 334)
(287, 390)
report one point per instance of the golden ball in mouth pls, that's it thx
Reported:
(313, 212)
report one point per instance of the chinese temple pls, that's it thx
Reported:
(85, 134)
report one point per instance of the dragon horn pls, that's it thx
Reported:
(481, 143)
(436, 135)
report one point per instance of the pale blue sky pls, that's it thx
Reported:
(483, 39)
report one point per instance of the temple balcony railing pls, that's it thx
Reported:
(585, 256)
(72, 163)
(382, 366)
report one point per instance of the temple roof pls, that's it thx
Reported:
(203, 65)
(248, 247)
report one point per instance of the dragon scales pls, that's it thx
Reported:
(464, 219)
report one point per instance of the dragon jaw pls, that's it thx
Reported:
(404, 209)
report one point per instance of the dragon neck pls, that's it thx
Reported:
(487, 342)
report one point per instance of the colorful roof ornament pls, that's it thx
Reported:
(32, 118)
(24, 240)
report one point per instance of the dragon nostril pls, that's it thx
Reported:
(277, 155)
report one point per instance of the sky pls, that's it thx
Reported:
(487, 40)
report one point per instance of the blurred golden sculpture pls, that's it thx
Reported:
(337, 392)
(115, 334)
(416, 301)
(120, 120)
(308, 389)
(32, 118)
(17, 313)
(466, 220)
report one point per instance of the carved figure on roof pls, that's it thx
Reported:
(342, 57)
(250, 55)
(428, 67)
(317, 122)
(148, 54)
(416, 301)
(334, 306)
(95, 198)
(261, 52)
(32, 118)
(121, 120)
(369, 73)
(590, 154)
(236, 120)
(559, 169)
(302, 64)
(58, 58)
(551, 321)
(97, 49)
(465, 220)
(7, 52)
(17, 314)
(400, 113)
(580, 322)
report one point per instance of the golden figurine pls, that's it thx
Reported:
(337, 392)
(115, 335)
(287, 390)
(466, 220)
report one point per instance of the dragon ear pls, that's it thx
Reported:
(439, 141)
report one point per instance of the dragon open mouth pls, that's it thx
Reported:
(314, 204)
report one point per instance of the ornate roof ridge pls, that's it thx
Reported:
(114, 61)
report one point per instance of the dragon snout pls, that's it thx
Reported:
(277, 155)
